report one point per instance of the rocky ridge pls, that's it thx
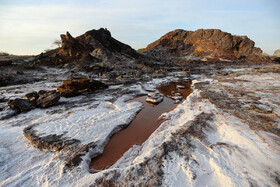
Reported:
(204, 44)
(93, 46)
(276, 53)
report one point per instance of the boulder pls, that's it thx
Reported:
(77, 86)
(21, 105)
(48, 98)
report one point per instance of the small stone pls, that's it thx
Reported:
(155, 98)
(180, 86)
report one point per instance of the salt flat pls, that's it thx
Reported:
(226, 133)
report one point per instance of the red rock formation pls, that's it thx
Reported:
(211, 43)
(94, 45)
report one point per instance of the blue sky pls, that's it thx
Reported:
(31, 26)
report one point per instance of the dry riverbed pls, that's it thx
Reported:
(226, 133)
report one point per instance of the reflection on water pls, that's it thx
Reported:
(144, 124)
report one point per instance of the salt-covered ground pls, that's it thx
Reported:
(205, 142)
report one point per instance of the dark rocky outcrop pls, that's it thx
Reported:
(4, 62)
(93, 46)
(21, 105)
(77, 86)
(42, 99)
(277, 59)
(210, 43)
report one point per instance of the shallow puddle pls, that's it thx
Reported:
(139, 130)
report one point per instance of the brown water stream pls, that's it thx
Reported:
(139, 130)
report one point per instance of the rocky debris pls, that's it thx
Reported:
(205, 43)
(244, 100)
(77, 86)
(50, 142)
(93, 46)
(21, 105)
(47, 98)
(176, 96)
(18, 71)
(5, 62)
(155, 98)
(7, 79)
(42, 99)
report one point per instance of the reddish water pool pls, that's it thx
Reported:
(139, 130)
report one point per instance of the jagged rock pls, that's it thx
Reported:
(89, 47)
(48, 98)
(212, 43)
(77, 86)
(21, 105)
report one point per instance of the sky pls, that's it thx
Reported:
(29, 27)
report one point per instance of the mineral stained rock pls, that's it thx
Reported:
(92, 46)
(212, 43)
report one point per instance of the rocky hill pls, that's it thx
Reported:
(276, 53)
(211, 44)
(92, 46)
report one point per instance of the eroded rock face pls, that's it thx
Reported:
(212, 43)
(77, 86)
(93, 46)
